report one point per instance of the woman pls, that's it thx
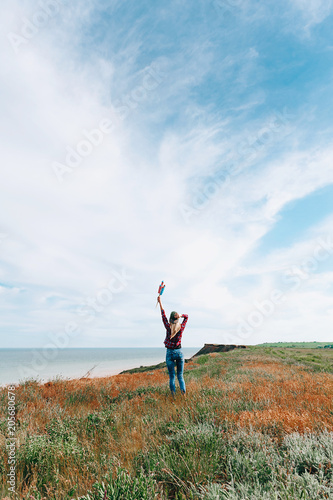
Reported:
(174, 332)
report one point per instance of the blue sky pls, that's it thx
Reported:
(189, 142)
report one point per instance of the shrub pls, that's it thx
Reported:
(311, 453)
(121, 486)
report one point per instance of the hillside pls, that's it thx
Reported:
(255, 423)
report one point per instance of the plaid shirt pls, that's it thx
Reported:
(176, 340)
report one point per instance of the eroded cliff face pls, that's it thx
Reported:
(207, 348)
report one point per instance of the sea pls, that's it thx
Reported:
(18, 365)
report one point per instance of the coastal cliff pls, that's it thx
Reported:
(208, 348)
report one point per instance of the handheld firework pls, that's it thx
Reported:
(160, 290)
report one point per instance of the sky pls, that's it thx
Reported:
(187, 141)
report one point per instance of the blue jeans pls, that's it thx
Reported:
(177, 355)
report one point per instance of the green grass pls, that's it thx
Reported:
(125, 438)
(203, 461)
(143, 369)
(313, 360)
(299, 345)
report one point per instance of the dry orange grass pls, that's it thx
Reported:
(262, 394)
(296, 399)
(39, 404)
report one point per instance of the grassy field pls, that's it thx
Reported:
(303, 345)
(255, 424)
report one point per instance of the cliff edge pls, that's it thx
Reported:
(208, 348)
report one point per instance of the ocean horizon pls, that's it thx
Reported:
(20, 364)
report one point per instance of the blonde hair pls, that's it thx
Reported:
(174, 324)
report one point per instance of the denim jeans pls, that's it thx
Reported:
(172, 356)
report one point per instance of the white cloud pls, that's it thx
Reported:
(120, 207)
(314, 11)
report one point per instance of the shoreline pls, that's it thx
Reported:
(140, 369)
(97, 368)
